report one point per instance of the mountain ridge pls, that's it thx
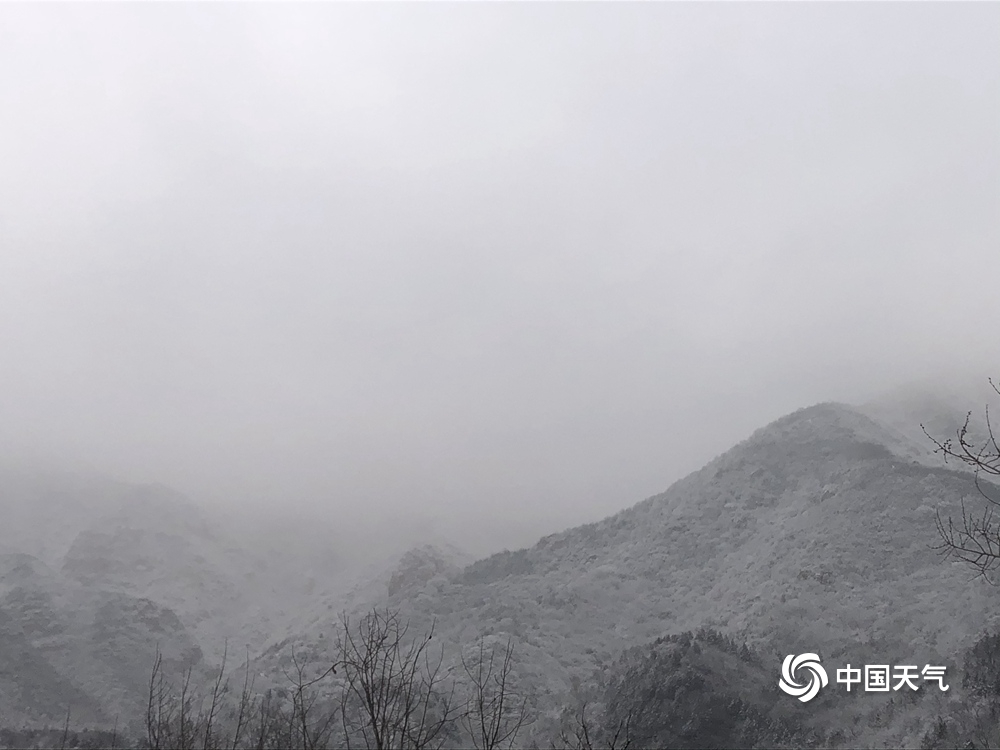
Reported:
(814, 534)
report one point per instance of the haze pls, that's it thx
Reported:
(494, 268)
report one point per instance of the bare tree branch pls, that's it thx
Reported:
(494, 714)
(397, 693)
(974, 538)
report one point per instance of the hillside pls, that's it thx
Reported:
(813, 519)
(814, 534)
(70, 647)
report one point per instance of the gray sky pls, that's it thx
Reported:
(514, 264)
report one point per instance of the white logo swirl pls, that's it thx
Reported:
(817, 676)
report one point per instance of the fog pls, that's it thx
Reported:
(496, 269)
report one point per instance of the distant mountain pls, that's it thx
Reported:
(66, 647)
(96, 575)
(43, 511)
(181, 565)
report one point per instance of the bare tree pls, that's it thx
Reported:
(65, 734)
(159, 707)
(171, 719)
(241, 717)
(219, 688)
(495, 714)
(312, 731)
(396, 694)
(975, 537)
(579, 732)
(268, 730)
(188, 719)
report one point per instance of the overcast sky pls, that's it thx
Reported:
(514, 264)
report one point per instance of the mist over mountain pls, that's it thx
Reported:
(815, 534)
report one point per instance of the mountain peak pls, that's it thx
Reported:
(823, 421)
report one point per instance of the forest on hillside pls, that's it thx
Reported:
(394, 688)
